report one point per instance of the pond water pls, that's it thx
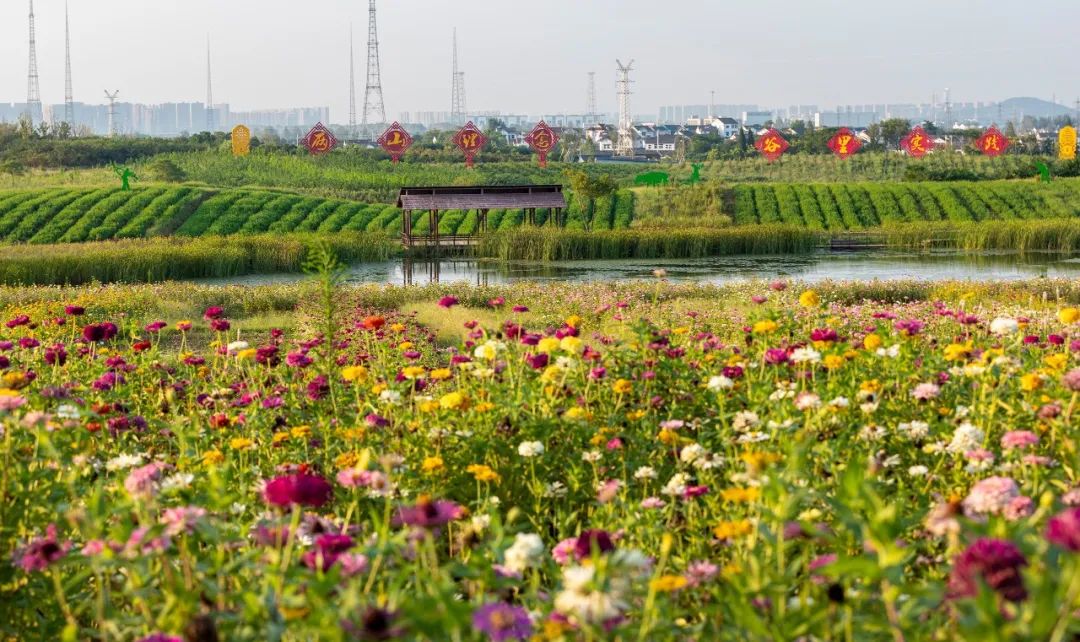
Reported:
(862, 265)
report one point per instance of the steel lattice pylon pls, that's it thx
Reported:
(352, 82)
(590, 100)
(33, 87)
(373, 94)
(69, 100)
(209, 91)
(625, 146)
(457, 84)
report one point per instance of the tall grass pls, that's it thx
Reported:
(1048, 235)
(151, 260)
(547, 244)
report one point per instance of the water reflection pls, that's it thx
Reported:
(859, 265)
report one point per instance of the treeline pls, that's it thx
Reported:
(22, 151)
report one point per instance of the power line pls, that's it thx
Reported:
(112, 111)
(69, 100)
(625, 145)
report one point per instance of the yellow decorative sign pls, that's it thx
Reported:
(241, 140)
(1067, 143)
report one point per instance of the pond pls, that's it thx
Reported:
(862, 265)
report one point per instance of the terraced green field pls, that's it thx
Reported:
(88, 214)
(852, 206)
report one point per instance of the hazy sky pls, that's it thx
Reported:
(532, 57)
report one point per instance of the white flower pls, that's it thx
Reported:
(592, 456)
(121, 462)
(1003, 326)
(692, 452)
(966, 438)
(483, 373)
(807, 401)
(530, 449)
(744, 420)
(914, 429)
(392, 397)
(676, 486)
(177, 481)
(67, 411)
(752, 437)
(840, 402)
(489, 350)
(527, 550)
(805, 355)
(871, 432)
(645, 472)
(555, 489)
(580, 601)
(237, 346)
(918, 471)
(720, 382)
(565, 363)
(891, 352)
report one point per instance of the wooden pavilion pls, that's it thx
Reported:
(436, 200)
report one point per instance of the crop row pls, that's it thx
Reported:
(836, 206)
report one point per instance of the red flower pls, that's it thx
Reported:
(373, 322)
(300, 489)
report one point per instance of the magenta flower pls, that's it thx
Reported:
(74, 310)
(161, 637)
(300, 489)
(993, 561)
(213, 312)
(501, 621)
(155, 327)
(497, 302)
(97, 332)
(448, 302)
(908, 327)
(593, 539)
(40, 553)
(428, 513)
(328, 548)
(1019, 439)
(1063, 530)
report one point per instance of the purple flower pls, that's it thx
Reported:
(996, 562)
(428, 513)
(56, 355)
(300, 489)
(501, 621)
(824, 334)
(520, 308)
(908, 327)
(297, 360)
(537, 361)
(40, 553)
(593, 539)
(328, 548)
(1064, 530)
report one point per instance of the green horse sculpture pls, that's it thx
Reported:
(652, 179)
(125, 175)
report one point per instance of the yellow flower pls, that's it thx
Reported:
(871, 385)
(1057, 361)
(280, 437)
(576, 412)
(357, 374)
(430, 405)
(681, 330)
(765, 327)
(668, 583)
(635, 415)
(241, 443)
(484, 406)
(1068, 315)
(551, 373)
(548, 345)
(378, 388)
(758, 461)
(732, 530)
(570, 344)
(871, 342)
(452, 401)
(958, 351)
(1031, 381)
(405, 345)
(346, 460)
(413, 372)
(300, 432)
(398, 327)
(574, 321)
(832, 361)
(353, 434)
(440, 374)
(738, 495)
(15, 380)
(809, 299)
(668, 437)
(246, 355)
(622, 386)
(432, 465)
(212, 457)
(482, 473)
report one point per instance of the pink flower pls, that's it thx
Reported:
(42, 552)
(182, 519)
(1071, 380)
(990, 496)
(448, 302)
(653, 502)
(1019, 439)
(1018, 508)
(700, 572)
(926, 391)
(1063, 530)
(563, 550)
(428, 513)
(299, 489)
(142, 482)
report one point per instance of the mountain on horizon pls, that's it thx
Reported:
(1035, 107)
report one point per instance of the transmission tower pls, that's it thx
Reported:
(33, 89)
(373, 96)
(112, 111)
(457, 98)
(590, 100)
(69, 101)
(625, 145)
(209, 90)
(948, 111)
(352, 83)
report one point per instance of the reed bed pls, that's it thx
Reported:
(1049, 235)
(561, 245)
(164, 259)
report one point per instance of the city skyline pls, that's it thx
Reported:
(747, 60)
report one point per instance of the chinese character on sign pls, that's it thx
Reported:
(241, 140)
(992, 143)
(917, 143)
(1067, 143)
(542, 140)
(395, 141)
(320, 140)
(844, 143)
(771, 145)
(470, 141)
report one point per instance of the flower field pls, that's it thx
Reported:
(642, 461)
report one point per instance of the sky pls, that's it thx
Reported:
(533, 57)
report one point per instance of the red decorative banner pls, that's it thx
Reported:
(844, 143)
(320, 140)
(542, 140)
(395, 141)
(917, 143)
(470, 140)
(992, 143)
(771, 145)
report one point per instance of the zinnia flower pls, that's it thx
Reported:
(1064, 530)
(994, 561)
(299, 489)
(448, 302)
(501, 621)
(428, 513)
(40, 553)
